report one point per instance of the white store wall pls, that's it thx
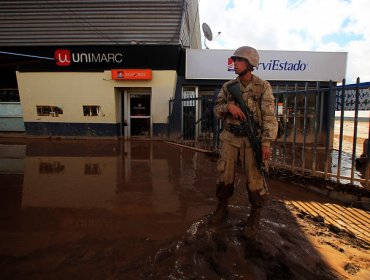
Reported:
(72, 90)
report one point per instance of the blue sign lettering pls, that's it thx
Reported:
(278, 65)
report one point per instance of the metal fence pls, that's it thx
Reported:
(192, 122)
(323, 129)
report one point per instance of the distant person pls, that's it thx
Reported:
(257, 96)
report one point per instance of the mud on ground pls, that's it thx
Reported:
(155, 221)
(291, 244)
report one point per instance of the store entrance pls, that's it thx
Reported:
(140, 115)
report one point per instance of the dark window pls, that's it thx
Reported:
(92, 169)
(47, 110)
(50, 167)
(91, 110)
(9, 95)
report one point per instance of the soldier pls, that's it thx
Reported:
(257, 95)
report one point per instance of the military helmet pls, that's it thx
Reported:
(248, 53)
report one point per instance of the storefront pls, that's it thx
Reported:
(105, 91)
(123, 91)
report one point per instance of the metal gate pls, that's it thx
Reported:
(323, 129)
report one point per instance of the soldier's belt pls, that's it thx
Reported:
(237, 130)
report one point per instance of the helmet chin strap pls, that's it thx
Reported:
(245, 71)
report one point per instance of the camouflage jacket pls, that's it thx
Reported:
(259, 98)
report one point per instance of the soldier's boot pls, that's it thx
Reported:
(223, 193)
(253, 221)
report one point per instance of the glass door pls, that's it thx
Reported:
(140, 115)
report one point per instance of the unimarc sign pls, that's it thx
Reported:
(64, 57)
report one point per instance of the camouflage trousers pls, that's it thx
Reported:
(230, 155)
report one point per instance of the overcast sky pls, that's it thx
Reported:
(303, 25)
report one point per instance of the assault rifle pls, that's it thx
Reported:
(248, 126)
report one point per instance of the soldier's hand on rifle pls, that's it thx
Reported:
(266, 153)
(236, 112)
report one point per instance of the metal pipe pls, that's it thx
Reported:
(304, 129)
(341, 130)
(367, 169)
(327, 139)
(294, 126)
(355, 129)
(285, 121)
(316, 127)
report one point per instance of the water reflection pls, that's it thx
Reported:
(69, 182)
(118, 186)
(101, 210)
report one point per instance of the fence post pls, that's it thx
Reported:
(304, 130)
(316, 127)
(341, 131)
(354, 142)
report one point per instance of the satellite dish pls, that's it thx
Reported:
(208, 34)
(207, 31)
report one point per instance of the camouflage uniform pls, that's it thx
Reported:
(258, 96)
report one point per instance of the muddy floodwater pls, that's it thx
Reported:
(88, 209)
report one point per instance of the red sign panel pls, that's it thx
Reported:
(131, 74)
(62, 57)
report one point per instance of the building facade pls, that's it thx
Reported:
(109, 68)
(94, 68)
